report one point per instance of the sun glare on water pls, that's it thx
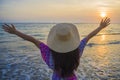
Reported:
(103, 14)
(103, 37)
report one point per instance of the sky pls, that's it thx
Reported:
(81, 11)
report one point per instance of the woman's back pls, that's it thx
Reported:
(56, 61)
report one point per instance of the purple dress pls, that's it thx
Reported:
(47, 57)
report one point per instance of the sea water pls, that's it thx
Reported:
(21, 60)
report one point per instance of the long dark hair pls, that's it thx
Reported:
(66, 63)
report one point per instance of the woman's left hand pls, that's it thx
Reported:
(9, 28)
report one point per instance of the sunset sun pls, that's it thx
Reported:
(103, 14)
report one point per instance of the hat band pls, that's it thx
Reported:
(64, 37)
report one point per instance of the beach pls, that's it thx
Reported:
(21, 60)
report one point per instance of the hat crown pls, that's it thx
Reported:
(62, 30)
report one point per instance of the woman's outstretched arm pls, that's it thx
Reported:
(12, 30)
(104, 23)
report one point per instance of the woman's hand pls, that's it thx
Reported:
(9, 28)
(104, 22)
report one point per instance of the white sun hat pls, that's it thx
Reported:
(63, 37)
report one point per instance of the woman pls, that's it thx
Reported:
(64, 48)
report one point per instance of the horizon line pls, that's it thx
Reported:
(52, 22)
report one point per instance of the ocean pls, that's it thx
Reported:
(21, 60)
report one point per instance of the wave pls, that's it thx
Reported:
(109, 34)
(104, 34)
(6, 41)
(109, 43)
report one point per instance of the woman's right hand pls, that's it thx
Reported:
(9, 28)
(104, 22)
